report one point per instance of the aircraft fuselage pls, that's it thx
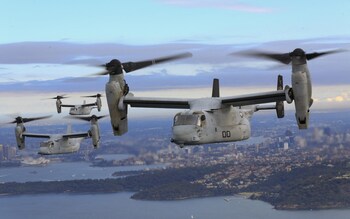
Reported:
(80, 110)
(202, 127)
(59, 145)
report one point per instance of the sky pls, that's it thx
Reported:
(47, 46)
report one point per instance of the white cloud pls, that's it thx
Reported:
(36, 103)
(43, 72)
(221, 4)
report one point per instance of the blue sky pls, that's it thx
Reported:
(162, 21)
(43, 43)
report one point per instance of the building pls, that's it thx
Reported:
(1, 152)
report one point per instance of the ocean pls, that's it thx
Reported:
(119, 205)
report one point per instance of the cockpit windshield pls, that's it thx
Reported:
(194, 119)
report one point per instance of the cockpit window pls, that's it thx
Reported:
(188, 120)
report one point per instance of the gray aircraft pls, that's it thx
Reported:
(57, 143)
(82, 109)
(301, 91)
(212, 119)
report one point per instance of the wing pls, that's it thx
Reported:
(183, 103)
(76, 135)
(89, 104)
(32, 135)
(67, 105)
(252, 99)
(150, 102)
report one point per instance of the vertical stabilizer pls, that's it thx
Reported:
(280, 104)
(216, 88)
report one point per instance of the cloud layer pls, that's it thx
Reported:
(59, 66)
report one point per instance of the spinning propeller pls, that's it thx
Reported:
(59, 97)
(87, 118)
(20, 119)
(96, 95)
(286, 58)
(115, 67)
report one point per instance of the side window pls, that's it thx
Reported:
(203, 120)
(175, 119)
(199, 122)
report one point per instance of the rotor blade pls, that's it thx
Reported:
(63, 96)
(81, 118)
(101, 117)
(20, 119)
(96, 95)
(310, 56)
(100, 73)
(284, 58)
(34, 118)
(6, 123)
(86, 118)
(133, 66)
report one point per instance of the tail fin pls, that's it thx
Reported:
(279, 107)
(216, 88)
(280, 104)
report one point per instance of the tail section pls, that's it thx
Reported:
(280, 104)
(279, 107)
(216, 88)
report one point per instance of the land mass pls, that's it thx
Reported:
(321, 186)
(316, 187)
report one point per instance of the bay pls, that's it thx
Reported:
(119, 205)
(65, 171)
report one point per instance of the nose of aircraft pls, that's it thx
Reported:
(45, 147)
(43, 151)
(185, 134)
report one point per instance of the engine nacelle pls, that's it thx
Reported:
(19, 136)
(98, 103)
(115, 89)
(95, 135)
(58, 105)
(302, 98)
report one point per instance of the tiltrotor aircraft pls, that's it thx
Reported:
(212, 119)
(57, 143)
(82, 109)
(301, 91)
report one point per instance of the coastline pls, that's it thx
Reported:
(309, 188)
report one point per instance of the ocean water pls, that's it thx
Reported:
(66, 171)
(119, 205)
